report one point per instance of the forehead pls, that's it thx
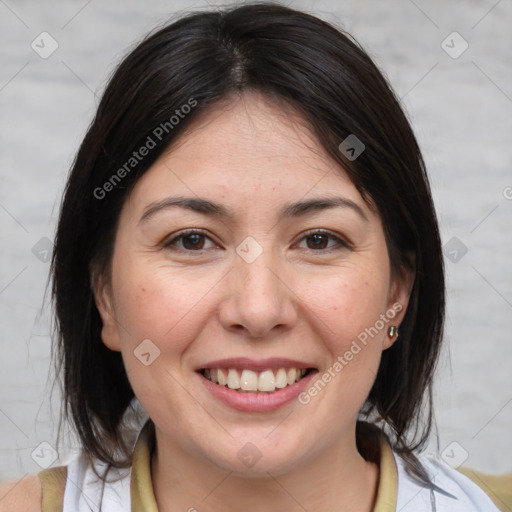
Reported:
(251, 150)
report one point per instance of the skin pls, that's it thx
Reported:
(21, 495)
(301, 298)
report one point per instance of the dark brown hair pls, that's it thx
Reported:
(333, 84)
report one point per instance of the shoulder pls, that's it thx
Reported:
(23, 495)
(455, 493)
(497, 486)
(96, 484)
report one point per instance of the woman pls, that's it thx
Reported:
(247, 248)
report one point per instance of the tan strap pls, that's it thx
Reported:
(141, 487)
(497, 487)
(388, 479)
(54, 482)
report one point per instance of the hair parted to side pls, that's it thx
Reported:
(298, 60)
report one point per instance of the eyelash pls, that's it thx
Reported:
(341, 244)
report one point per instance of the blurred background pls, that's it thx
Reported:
(451, 65)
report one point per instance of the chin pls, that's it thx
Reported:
(257, 459)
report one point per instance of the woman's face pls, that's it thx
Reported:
(286, 271)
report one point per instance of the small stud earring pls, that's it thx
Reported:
(393, 331)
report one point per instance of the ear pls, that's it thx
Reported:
(103, 298)
(398, 298)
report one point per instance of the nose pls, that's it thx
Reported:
(259, 298)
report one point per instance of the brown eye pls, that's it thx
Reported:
(194, 241)
(318, 241)
(323, 241)
(189, 241)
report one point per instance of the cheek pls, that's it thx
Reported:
(348, 307)
(161, 304)
(346, 304)
(169, 309)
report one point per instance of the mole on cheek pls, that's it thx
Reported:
(140, 296)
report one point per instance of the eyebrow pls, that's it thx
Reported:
(213, 209)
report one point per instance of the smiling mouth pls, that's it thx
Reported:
(249, 381)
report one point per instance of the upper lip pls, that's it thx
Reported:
(254, 364)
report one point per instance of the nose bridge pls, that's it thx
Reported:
(259, 279)
(254, 260)
(258, 299)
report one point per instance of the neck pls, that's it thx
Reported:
(337, 480)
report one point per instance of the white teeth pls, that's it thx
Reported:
(266, 381)
(281, 379)
(248, 380)
(221, 377)
(233, 379)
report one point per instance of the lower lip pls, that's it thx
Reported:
(257, 401)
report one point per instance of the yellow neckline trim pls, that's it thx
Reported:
(141, 487)
(388, 479)
(143, 498)
(53, 481)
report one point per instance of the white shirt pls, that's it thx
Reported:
(83, 491)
